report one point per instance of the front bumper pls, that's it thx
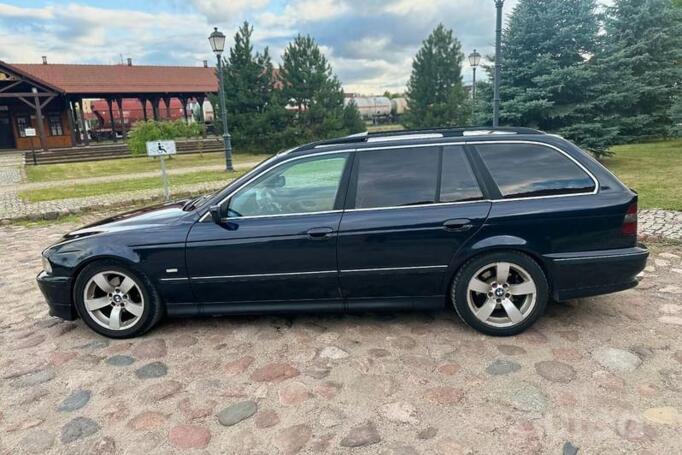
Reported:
(57, 292)
(589, 273)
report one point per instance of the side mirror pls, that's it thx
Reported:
(215, 214)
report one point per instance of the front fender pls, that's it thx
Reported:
(68, 258)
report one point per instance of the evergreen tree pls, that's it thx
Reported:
(249, 93)
(544, 48)
(639, 69)
(309, 84)
(435, 93)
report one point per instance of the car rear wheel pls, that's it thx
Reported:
(116, 301)
(500, 293)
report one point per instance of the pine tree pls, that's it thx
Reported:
(435, 93)
(309, 84)
(249, 88)
(639, 69)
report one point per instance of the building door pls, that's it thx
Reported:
(6, 137)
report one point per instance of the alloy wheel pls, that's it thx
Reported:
(501, 294)
(113, 300)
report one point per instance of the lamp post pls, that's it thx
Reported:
(498, 62)
(217, 40)
(474, 60)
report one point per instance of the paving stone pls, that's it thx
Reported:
(427, 433)
(617, 360)
(525, 397)
(666, 415)
(237, 412)
(293, 439)
(189, 437)
(507, 349)
(399, 412)
(333, 353)
(238, 366)
(152, 370)
(361, 436)
(274, 372)
(444, 395)
(569, 449)
(32, 379)
(120, 360)
(502, 367)
(634, 430)
(555, 371)
(266, 419)
(147, 421)
(78, 428)
(158, 392)
(75, 401)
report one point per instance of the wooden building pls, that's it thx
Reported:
(49, 98)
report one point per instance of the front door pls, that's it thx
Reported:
(6, 137)
(277, 242)
(409, 211)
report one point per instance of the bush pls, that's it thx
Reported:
(143, 132)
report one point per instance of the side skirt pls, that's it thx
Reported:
(308, 306)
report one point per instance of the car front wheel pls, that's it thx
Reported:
(115, 301)
(500, 293)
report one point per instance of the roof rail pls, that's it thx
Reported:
(426, 133)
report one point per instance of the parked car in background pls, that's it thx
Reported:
(492, 222)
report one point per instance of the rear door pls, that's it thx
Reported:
(408, 211)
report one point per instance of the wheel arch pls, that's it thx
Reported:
(493, 245)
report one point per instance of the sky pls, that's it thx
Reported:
(369, 43)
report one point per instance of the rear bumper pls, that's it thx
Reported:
(590, 273)
(57, 292)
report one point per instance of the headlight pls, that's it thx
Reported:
(46, 265)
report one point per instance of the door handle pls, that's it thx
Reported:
(319, 233)
(458, 225)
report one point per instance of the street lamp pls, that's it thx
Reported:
(474, 60)
(217, 40)
(498, 62)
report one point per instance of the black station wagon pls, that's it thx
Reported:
(495, 222)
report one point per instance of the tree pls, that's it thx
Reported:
(639, 69)
(435, 93)
(249, 87)
(310, 85)
(544, 46)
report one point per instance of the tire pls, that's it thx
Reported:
(110, 307)
(486, 305)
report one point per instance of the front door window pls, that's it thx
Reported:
(307, 185)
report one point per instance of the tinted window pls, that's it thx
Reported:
(301, 186)
(458, 182)
(533, 170)
(398, 177)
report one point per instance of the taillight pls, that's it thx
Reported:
(630, 220)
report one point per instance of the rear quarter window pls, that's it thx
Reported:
(527, 170)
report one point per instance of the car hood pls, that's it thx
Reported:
(162, 214)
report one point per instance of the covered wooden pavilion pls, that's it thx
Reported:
(49, 97)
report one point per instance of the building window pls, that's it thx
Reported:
(55, 123)
(23, 122)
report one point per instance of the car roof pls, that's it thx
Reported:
(404, 138)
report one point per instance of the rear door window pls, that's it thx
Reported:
(397, 177)
(458, 182)
(526, 170)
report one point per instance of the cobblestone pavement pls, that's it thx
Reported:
(601, 374)
(661, 223)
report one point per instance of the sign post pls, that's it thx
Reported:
(162, 149)
(31, 132)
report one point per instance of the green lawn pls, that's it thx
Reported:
(118, 186)
(121, 167)
(654, 170)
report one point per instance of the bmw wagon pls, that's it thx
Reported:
(494, 223)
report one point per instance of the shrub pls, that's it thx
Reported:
(143, 132)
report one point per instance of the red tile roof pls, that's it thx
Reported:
(121, 79)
